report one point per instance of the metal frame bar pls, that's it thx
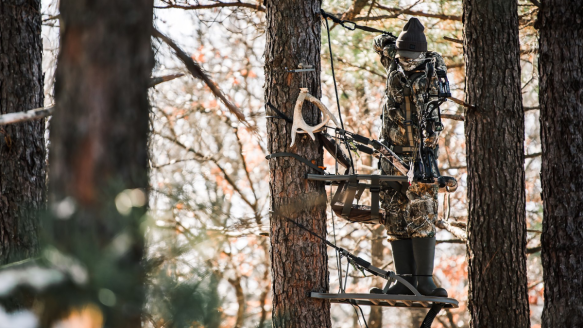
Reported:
(319, 177)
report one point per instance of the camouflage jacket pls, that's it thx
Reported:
(399, 76)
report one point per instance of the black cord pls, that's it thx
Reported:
(362, 313)
(336, 91)
(355, 306)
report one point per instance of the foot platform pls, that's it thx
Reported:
(409, 301)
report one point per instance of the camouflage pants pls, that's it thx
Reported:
(413, 215)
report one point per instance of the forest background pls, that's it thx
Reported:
(209, 200)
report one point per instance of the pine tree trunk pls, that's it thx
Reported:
(495, 155)
(99, 135)
(561, 117)
(299, 261)
(22, 146)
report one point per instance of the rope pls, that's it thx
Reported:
(336, 91)
(352, 25)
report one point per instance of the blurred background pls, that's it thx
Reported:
(207, 232)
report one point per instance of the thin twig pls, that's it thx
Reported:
(453, 40)
(420, 13)
(161, 79)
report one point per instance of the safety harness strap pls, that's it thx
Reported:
(403, 149)
(406, 108)
(350, 193)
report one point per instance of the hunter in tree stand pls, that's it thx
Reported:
(410, 216)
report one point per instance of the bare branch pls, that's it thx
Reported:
(450, 241)
(533, 155)
(461, 102)
(238, 4)
(197, 72)
(457, 232)
(362, 68)
(419, 13)
(533, 250)
(39, 113)
(453, 40)
(161, 79)
(535, 2)
(526, 109)
(33, 114)
(355, 9)
(455, 117)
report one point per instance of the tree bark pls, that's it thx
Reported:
(298, 259)
(22, 146)
(561, 118)
(495, 154)
(99, 151)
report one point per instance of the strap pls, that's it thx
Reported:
(403, 149)
(297, 157)
(375, 189)
(400, 187)
(334, 149)
(339, 193)
(352, 25)
(350, 193)
(361, 188)
(406, 107)
(280, 114)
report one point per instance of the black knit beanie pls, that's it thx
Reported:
(412, 37)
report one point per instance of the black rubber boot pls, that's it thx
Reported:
(404, 264)
(424, 250)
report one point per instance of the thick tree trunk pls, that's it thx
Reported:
(561, 100)
(495, 155)
(99, 151)
(22, 146)
(299, 261)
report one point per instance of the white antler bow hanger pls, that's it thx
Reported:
(300, 126)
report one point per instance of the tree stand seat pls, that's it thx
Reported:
(349, 188)
(358, 213)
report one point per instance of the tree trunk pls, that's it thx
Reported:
(561, 117)
(22, 146)
(495, 155)
(99, 151)
(299, 260)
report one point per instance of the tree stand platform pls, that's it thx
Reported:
(435, 304)
(409, 301)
